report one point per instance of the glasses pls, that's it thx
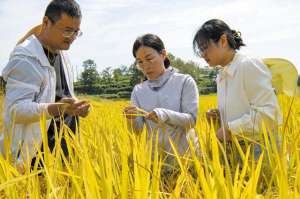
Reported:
(68, 33)
(202, 48)
(141, 64)
(72, 33)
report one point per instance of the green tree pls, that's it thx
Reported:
(106, 76)
(117, 74)
(90, 75)
(136, 76)
(204, 77)
(119, 82)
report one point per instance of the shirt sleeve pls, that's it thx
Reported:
(138, 125)
(264, 107)
(189, 107)
(23, 84)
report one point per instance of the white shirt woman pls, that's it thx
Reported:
(246, 99)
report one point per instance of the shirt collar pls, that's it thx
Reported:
(32, 47)
(229, 69)
(161, 80)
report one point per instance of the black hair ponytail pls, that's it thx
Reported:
(213, 30)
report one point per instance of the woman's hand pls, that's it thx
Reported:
(152, 116)
(213, 115)
(131, 112)
(223, 134)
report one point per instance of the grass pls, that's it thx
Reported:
(106, 161)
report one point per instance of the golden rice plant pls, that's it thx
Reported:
(108, 161)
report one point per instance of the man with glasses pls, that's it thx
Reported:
(39, 82)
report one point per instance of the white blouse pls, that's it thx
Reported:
(246, 98)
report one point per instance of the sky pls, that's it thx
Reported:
(270, 28)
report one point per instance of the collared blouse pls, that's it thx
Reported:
(174, 98)
(246, 98)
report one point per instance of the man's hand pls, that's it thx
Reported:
(76, 107)
(69, 106)
(82, 108)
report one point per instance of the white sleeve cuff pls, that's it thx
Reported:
(162, 116)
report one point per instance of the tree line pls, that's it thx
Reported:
(119, 82)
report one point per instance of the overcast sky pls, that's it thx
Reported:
(270, 28)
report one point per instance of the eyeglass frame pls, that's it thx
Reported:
(202, 48)
(147, 61)
(68, 33)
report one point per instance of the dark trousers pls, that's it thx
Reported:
(72, 122)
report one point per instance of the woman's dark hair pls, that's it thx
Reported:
(213, 30)
(151, 41)
(58, 7)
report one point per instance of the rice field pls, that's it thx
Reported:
(107, 161)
